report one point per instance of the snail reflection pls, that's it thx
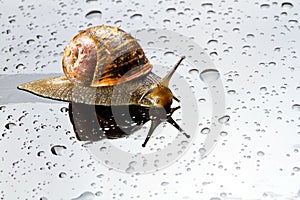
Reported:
(95, 122)
(96, 62)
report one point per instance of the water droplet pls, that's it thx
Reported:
(171, 10)
(265, 6)
(169, 53)
(64, 109)
(12, 21)
(223, 194)
(209, 75)
(211, 42)
(260, 153)
(10, 125)
(99, 193)
(164, 183)
(213, 54)
(272, 64)
(30, 41)
(118, 23)
(293, 21)
(94, 15)
(41, 153)
(136, 16)
(58, 150)
(263, 89)
(223, 133)
(3, 107)
(202, 151)
(85, 196)
(43, 198)
(102, 149)
(202, 100)
(167, 21)
(100, 176)
(277, 49)
(19, 66)
(207, 5)
(224, 119)
(296, 169)
(205, 130)
(91, 1)
(231, 92)
(62, 174)
(129, 170)
(287, 5)
(250, 35)
(296, 107)
(236, 30)
(196, 19)
(194, 72)
(132, 163)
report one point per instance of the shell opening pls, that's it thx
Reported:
(79, 60)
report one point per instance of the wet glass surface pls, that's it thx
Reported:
(239, 94)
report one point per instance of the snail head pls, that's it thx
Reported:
(160, 95)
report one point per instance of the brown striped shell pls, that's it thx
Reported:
(104, 56)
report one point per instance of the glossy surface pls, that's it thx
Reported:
(255, 47)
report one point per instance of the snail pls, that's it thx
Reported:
(102, 58)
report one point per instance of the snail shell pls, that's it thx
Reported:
(104, 56)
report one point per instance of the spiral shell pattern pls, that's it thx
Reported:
(104, 56)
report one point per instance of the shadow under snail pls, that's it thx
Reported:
(106, 68)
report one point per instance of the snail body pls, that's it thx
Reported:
(105, 66)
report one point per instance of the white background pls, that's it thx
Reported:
(253, 44)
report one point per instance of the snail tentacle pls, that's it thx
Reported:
(154, 124)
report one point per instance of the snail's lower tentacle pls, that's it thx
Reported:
(176, 99)
(172, 110)
(154, 124)
(171, 121)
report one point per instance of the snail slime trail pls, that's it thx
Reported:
(95, 62)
